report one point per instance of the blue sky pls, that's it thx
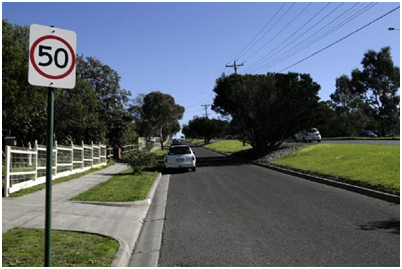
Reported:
(181, 48)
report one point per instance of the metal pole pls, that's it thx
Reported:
(49, 171)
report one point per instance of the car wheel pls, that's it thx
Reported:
(193, 169)
(304, 140)
(319, 141)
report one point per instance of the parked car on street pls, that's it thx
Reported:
(176, 142)
(180, 156)
(368, 134)
(307, 136)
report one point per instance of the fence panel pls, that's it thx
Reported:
(26, 167)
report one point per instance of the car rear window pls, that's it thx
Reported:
(312, 130)
(179, 151)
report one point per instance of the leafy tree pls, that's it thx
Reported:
(378, 85)
(77, 115)
(24, 106)
(206, 128)
(159, 111)
(106, 84)
(267, 108)
(349, 107)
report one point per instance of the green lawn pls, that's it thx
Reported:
(361, 138)
(26, 191)
(228, 146)
(25, 248)
(161, 153)
(374, 165)
(124, 187)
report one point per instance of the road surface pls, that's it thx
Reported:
(234, 214)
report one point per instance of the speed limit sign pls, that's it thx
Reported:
(52, 57)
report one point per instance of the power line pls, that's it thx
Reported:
(201, 101)
(343, 38)
(314, 38)
(273, 38)
(262, 29)
(255, 43)
(193, 96)
(261, 62)
(290, 36)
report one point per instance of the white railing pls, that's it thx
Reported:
(26, 167)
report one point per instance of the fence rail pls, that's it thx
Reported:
(26, 167)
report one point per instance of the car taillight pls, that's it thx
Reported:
(193, 158)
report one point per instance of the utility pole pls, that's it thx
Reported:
(206, 110)
(235, 66)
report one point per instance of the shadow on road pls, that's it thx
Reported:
(392, 225)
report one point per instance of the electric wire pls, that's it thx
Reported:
(343, 38)
(273, 38)
(268, 30)
(262, 29)
(312, 39)
(262, 62)
(293, 34)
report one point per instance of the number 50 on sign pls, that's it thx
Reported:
(52, 57)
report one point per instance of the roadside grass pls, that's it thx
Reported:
(161, 153)
(375, 166)
(228, 146)
(361, 138)
(123, 187)
(196, 142)
(26, 191)
(25, 248)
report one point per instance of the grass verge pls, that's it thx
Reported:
(25, 248)
(228, 146)
(361, 138)
(375, 166)
(123, 187)
(26, 191)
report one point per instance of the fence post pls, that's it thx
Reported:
(7, 172)
(36, 159)
(30, 155)
(55, 157)
(83, 154)
(72, 156)
(92, 149)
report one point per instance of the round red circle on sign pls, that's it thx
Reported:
(31, 56)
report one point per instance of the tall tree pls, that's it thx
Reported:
(106, 83)
(206, 128)
(378, 85)
(268, 108)
(349, 107)
(159, 111)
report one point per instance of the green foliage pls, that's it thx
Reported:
(160, 113)
(139, 159)
(206, 128)
(25, 248)
(267, 108)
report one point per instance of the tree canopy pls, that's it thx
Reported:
(267, 108)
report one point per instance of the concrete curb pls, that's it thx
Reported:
(123, 255)
(147, 200)
(354, 188)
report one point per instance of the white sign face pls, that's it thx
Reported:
(52, 57)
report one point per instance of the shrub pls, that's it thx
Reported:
(139, 159)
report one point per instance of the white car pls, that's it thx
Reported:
(310, 135)
(180, 156)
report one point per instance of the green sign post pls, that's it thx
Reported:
(51, 64)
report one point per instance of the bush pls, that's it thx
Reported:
(139, 159)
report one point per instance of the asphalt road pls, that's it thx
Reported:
(233, 214)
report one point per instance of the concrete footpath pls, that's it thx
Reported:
(122, 223)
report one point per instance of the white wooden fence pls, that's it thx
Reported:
(26, 167)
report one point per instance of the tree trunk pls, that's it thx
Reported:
(161, 139)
